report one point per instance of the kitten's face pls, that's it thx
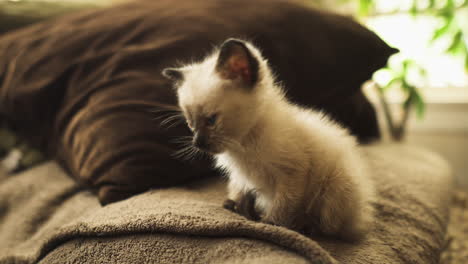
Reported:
(219, 117)
(217, 97)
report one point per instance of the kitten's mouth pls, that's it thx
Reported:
(208, 149)
(206, 144)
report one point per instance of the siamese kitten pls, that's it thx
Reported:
(300, 169)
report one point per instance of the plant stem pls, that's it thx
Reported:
(401, 129)
(386, 108)
(397, 131)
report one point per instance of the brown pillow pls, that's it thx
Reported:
(82, 87)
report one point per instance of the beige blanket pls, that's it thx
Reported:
(46, 218)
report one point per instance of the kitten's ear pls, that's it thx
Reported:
(173, 74)
(236, 62)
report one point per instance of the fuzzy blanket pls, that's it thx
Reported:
(456, 250)
(41, 222)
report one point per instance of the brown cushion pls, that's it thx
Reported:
(82, 87)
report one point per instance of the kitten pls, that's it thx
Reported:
(306, 172)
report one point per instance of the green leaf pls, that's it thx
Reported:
(365, 7)
(414, 8)
(432, 3)
(390, 83)
(457, 42)
(442, 30)
(448, 10)
(419, 104)
(422, 72)
(406, 65)
(405, 86)
(466, 63)
(449, 5)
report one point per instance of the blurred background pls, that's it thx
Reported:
(421, 97)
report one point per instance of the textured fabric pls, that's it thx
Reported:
(14, 15)
(456, 250)
(82, 87)
(59, 223)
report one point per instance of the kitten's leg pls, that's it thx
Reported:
(241, 201)
(245, 205)
(343, 212)
(235, 193)
(286, 208)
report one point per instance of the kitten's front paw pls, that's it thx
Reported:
(244, 206)
(230, 205)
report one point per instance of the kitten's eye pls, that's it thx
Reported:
(211, 120)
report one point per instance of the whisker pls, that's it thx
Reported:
(160, 109)
(179, 154)
(188, 153)
(175, 123)
(165, 113)
(163, 116)
(181, 140)
(191, 154)
(172, 120)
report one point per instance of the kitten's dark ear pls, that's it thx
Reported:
(236, 62)
(173, 74)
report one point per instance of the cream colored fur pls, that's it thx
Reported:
(306, 170)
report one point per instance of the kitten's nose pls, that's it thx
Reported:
(200, 140)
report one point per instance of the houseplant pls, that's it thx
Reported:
(449, 28)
